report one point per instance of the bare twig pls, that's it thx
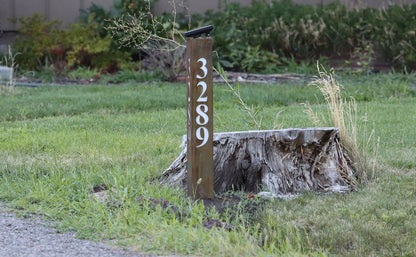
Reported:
(252, 112)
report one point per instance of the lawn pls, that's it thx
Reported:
(57, 143)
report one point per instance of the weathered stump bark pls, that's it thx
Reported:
(284, 162)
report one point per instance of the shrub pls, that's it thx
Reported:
(396, 35)
(134, 7)
(40, 42)
(84, 43)
(302, 32)
(274, 29)
(99, 15)
(43, 45)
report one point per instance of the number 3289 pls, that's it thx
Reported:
(202, 118)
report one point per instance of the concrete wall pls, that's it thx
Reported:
(68, 10)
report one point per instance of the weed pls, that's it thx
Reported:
(128, 75)
(82, 73)
(9, 61)
(252, 111)
(343, 115)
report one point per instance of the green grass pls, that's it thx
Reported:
(57, 143)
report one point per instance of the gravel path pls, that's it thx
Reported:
(32, 238)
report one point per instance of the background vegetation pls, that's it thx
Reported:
(266, 37)
(268, 33)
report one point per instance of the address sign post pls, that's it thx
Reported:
(200, 163)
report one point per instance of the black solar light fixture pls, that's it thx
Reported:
(195, 33)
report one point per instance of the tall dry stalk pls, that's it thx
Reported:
(252, 111)
(9, 61)
(343, 115)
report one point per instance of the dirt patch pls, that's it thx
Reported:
(231, 76)
(262, 78)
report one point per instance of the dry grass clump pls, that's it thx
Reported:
(343, 115)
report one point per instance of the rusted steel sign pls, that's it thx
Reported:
(200, 163)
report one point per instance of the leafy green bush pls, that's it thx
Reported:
(273, 28)
(396, 35)
(290, 30)
(99, 15)
(84, 43)
(44, 46)
(41, 42)
(133, 7)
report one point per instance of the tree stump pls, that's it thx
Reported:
(284, 162)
